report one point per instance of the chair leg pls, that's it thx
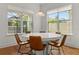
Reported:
(62, 50)
(51, 47)
(59, 50)
(50, 52)
(19, 48)
(18, 51)
(33, 52)
(30, 52)
(43, 52)
(46, 49)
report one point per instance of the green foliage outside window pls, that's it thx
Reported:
(14, 23)
(25, 18)
(50, 20)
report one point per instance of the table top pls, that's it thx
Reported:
(43, 35)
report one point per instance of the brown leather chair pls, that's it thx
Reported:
(21, 44)
(36, 43)
(56, 39)
(58, 44)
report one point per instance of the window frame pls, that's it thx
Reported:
(58, 26)
(21, 21)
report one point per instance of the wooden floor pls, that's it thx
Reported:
(71, 51)
(12, 51)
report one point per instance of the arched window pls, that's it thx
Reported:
(18, 22)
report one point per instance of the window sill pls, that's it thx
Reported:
(68, 34)
(12, 34)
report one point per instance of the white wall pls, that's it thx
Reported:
(74, 42)
(43, 22)
(3, 25)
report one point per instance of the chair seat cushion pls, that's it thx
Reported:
(52, 43)
(55, 40)
(23, 42)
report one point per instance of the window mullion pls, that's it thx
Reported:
(21, 25)
(58, 29)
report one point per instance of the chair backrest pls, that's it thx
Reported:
(35, 42)
(17, 38)
(42, 31)
(57, 32)
(62, 40)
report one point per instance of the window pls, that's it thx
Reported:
(65, 22)
(18, 23)
(52, 22)
(27, 24)
(60, 21)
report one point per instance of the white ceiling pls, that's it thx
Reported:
(35, 6)
(49, 6)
